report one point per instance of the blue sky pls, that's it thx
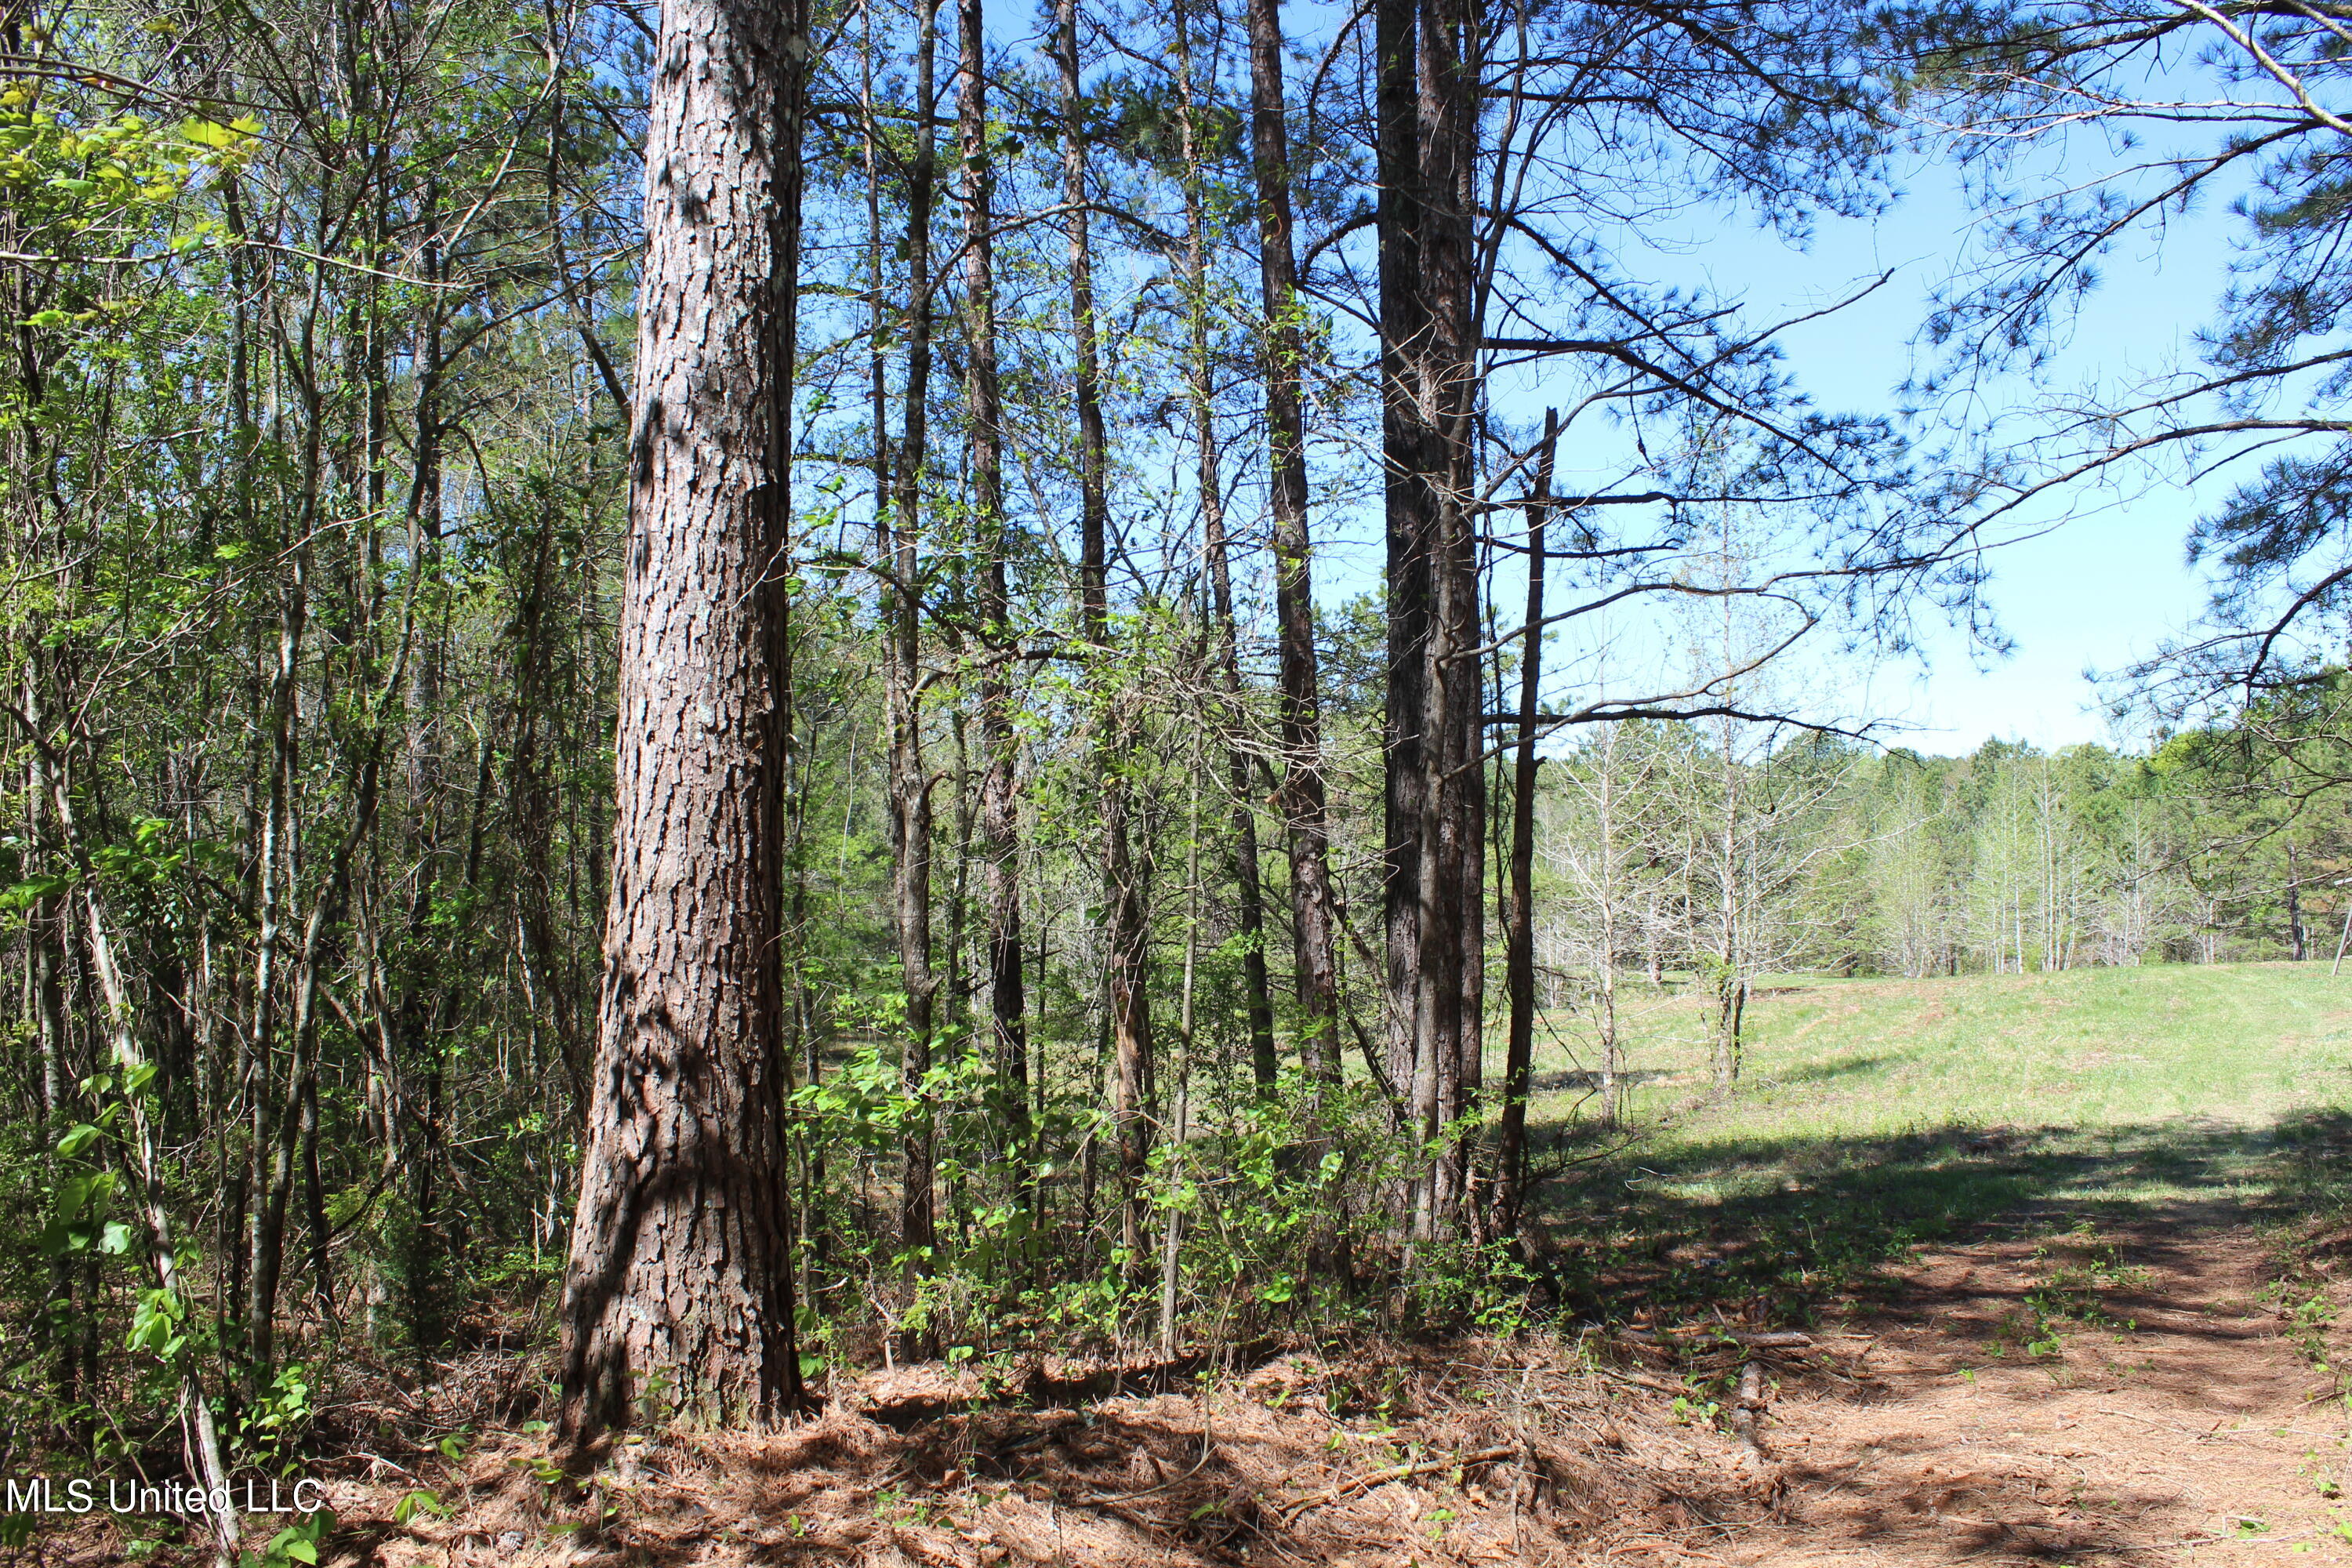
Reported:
(2101, 583)
(2105, 580)
(2109, 580)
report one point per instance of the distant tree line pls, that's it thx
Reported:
(1664, 854)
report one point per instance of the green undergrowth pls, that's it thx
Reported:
(2311, 1241)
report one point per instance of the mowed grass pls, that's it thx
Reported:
(1873, 1115)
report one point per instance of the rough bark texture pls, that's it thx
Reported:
(680, 1277)
(1434, 798)
(1302, 796)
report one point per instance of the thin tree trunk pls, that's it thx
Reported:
(2295, 936)
(1731, 981)
(44, 951)
(910, 782)
(1249, 886)
(203, 1443)
(1612, 1086)
(1000, 802)
(1127, 948)
(532, 805)
(1302, 796)
(1519, 953)
(263, 1228)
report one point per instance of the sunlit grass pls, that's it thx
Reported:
(1875, 1114)
(2076, 1048)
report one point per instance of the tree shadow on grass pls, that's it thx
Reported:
(1824, 1072)
(1768, 1228)
(1558, 1082)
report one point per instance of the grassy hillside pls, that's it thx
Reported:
(1876, 1114)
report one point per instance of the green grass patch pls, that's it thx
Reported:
(1876, 1115)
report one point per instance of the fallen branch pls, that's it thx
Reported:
(1638, 1381)
(1395, 1473)
(1748, 1410)
(1774, 1340)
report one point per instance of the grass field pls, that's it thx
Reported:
(1876, 1114)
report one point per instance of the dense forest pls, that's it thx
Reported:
(1086, 524)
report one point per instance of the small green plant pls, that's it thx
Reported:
(1696, 1412)
(2309, 1307)
(652, 1400)
(295, 1543)
(539, 1466)
(2072, 1275)
(272, 1430)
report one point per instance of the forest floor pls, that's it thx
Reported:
(2020, 1269)
(2086, 1228)
(2087, 1379)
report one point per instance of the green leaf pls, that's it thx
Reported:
(76, 1140)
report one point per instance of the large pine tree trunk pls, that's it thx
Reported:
(1434, 797)
(680, 1274)
(1302, 796)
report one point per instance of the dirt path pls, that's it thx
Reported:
(2123, 1396)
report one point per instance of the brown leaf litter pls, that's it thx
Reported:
(2170, 1421)
(1484, 1453)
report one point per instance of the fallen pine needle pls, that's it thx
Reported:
(1395, 1473)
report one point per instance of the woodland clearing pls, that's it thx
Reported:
(2027, 1268)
